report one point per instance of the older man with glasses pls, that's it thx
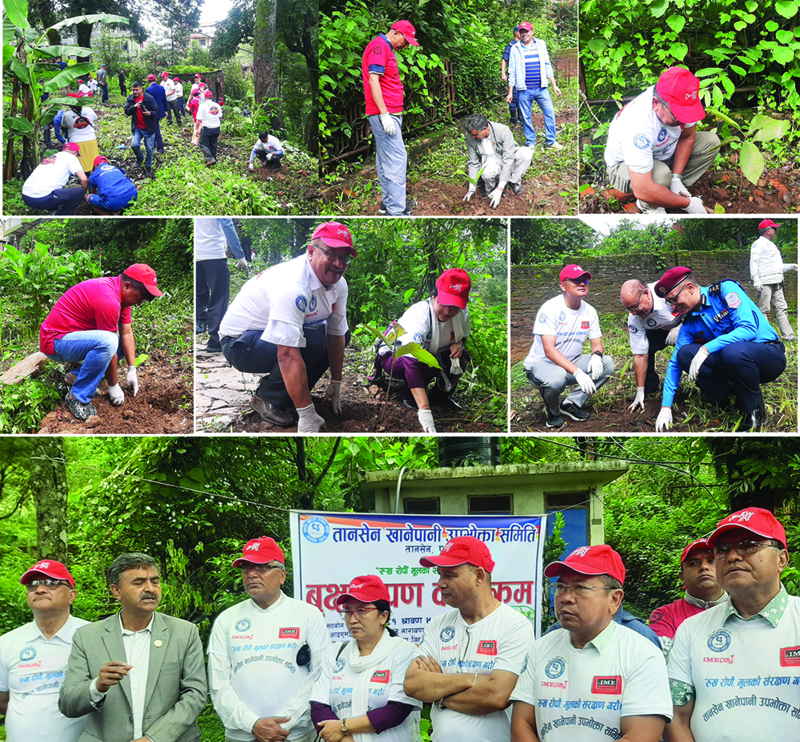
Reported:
(34, 657)
(734, 669)
(289, 322)
(652, 326)
(258, 694)
(556, 359)
(725, 345)
(654, 148)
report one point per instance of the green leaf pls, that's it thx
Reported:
(719, 208)
(707, 71)
(751, 6)
(96, 18)
(64, 51)
(416, 350)
(679, 51)
(597, 45)
(20, 125)
(771, 26)
(727, 119)
(758, 121)
(9, 30)
(17, 11)
(407, 296)
(738, 70)
(784, 36)
(676, 23)
(752, 162)
(20, 71)
(782, 54)
(775, 129)
(659, 7)
(730, 88)
(67, 76)
(740, 25)
(787, 8)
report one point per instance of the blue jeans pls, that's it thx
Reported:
(105, 92)
(149, 144)
(95, 348)
(542, 97)
(64, 200)
(390, 162)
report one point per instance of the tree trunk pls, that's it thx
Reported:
(265, 66)
(306, 48)
(84, 31)
(48, 483)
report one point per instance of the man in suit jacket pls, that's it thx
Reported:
(491, 146)
(138, 674)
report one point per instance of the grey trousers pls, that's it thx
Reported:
(522, 161)
(551, 380)
(772, 294)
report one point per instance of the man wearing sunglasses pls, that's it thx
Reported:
(654, 148)
(725, 345)
(652, 326)
(613, 678)
(259, 693)
(556, 359)
(734, 669)
(34, 657)
(289, 323)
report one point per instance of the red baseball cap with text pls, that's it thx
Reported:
(260, 551)
(671, 279)
(590, 560)
(681, 90)
(146, 275)
(405, 28)
(526, 26)
(756, 520)
(462, 550)
(47, 568)
(701, 543)
(335, 234)
(453, 288)
(768, 223)
(573, 271)
(367, 589)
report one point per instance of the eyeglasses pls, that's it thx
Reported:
(673, 300)
(579, 281)
(579, 591)
(336, 257)
(261, 568)
(743, 548)
(635, 307)
(49, 584)
(358, 613)
(668, 110)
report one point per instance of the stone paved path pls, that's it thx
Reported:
(221, 393)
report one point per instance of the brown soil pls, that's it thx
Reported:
(159, 407)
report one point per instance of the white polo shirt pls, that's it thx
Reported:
(169, 89)
(52, 173)
(284, 301)
(501, 641)
(32, 670)
(252, 664)
(583, 694)
(661, 316)
(637, 136)
(745, 673)
(571, 328)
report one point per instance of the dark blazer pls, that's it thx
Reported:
(157, 91)
(176, 682)
(151, 105)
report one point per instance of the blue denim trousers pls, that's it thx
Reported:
(95, 348)
(390, 161)
(149, 144)
(542, 98)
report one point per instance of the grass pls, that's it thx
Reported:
(780, 396)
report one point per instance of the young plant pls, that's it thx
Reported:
(477, 177)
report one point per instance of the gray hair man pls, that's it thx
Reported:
(495, 157)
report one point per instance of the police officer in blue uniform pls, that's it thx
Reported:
(725, 344)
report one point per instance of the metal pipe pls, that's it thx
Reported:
(397, 496)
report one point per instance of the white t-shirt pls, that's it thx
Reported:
(178, 90)
(252, 663)
(661, 316)
(53, 172)
(637, 136)
(417, 321)
(210, 113)
(339, 685)
(169, 89)
(284, 300)
(746, 674)
(32, 670)
(80, 128)
(582, 694)
(571, 328)
(501, 641)
(273, 144)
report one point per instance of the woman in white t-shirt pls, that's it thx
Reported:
(79, 126)
(359, 693)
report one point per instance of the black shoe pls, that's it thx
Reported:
(554, 421)
(270, 414)
(411, 404)
(79, 410)
(517, 189)
(570, 409)
(211, 349)
(411, 204)
(513, 122)
(752, 421)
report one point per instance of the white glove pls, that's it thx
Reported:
(677, 186)
(672, 337)
(242, 264)
(455, 367)
(790, 267)
(664, 420)
(697, 361)
(695, 206)
(638, 400)
(389, 126)
(116, 395)
(270, 155)
(132, 379)
(585, 382)
(758, 286)
(310, 421)
(595, 367)
(250, 166)
(470, 193)
(426, 421)
(496, 195)
(333, 394)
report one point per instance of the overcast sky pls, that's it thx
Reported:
(604, 223)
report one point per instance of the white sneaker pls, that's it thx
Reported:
(649, 208)
(555, 145)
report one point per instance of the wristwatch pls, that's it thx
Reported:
(598, 353)
(345, 728)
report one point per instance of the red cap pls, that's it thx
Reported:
(335, 234)
(209, 94)
(756, 520)
(453, 288)
(462, 550)
(176, 79)
(151, 78)
(367, 589)
(48, 568)
(197, 75)
(196, 92)
(701, 543)
(572, 271)
(590, 560)
(671, 279)
(100, 159)
(405, 28)
(75, 95)
(260, 551)
(145, 274)
(527, 26)
(681, 90)
(768, 223)
(80, 81)
(165, 74)
(71, 147)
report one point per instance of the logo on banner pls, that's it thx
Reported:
(244, 624)
(447, 635)
(316, 529)
(487, 646)
(555, 668)
(790, 656)
(27, 654)
(719, 641)
(380, 676)
(289, 633)
(611, 685)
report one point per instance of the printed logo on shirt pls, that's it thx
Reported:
(339, 666)
(419, 338)
(49, 160)
(720, 640)
(301, 303)
(640, 141)
(487, 646)
(376, 50)
(312, 305)
(610, 684)
(27, 654)
(80, 124)
(555, 668)
(790, 656)
(214, 110)
(447, 635)
(651, 322)
(380, 676)
(542, 318)
(289, 633)
(584, 325)
(633, 329)
(733, 300)
(244, 624)
(656, 617)
(562, 317)
(662, 135)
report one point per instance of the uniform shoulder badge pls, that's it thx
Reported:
(715, 289)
